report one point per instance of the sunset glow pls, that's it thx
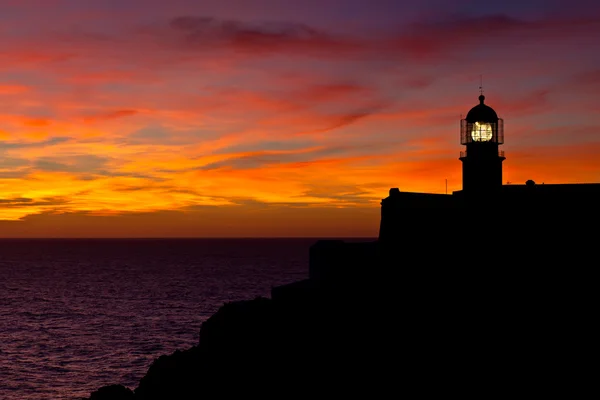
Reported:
(239, 118)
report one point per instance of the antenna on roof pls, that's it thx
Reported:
(481, 84)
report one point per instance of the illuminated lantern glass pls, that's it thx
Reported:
(482, 132)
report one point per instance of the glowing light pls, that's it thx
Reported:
(482, 132)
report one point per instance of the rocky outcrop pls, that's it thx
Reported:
(235, 346)
(113, 392)
(407, 326)
(269, 347)
(306, 339)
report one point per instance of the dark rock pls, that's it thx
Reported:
(242, 327)
(113, 392)
(174, 376)
(432, 330)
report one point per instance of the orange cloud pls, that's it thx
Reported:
(13, 89)
(36, 122)
(110, 115)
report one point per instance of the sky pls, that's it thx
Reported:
(263, 118)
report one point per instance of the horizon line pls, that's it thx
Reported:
(188, 237)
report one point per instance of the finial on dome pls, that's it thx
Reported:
(481, 98)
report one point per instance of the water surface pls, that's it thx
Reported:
(79, 314)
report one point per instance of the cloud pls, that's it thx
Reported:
(340, 121)
(339, 195)
(526, 103)
(157, 134)
(150, 133)
(19, 202)
(36, 122)
(205, 32)
(333, 91)
(24, 145)
(587, 81)
(6, 90)
(452, 36)
(88, 163)
(418, 82)
(110, 115)
(423, 40)
(284, 145)
(264, 158)
(223, 221)
(12, 162)
(175, 42)
(12, 174)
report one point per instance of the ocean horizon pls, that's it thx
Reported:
(351, 238)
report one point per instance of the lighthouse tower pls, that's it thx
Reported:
(482, 132)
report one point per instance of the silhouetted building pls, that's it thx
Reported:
(482, 224)
(484, 202)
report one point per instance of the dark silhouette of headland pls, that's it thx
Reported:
(486, 292)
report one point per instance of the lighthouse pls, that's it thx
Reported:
(482, 133)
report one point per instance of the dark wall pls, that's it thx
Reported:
(482, 167)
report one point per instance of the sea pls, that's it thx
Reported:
(78, 314)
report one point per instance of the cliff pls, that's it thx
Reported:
(395, 326)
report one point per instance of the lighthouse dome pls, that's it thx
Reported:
(482, 113)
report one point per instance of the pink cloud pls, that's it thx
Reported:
(208, 32)
(447, 37)
(110, 115)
